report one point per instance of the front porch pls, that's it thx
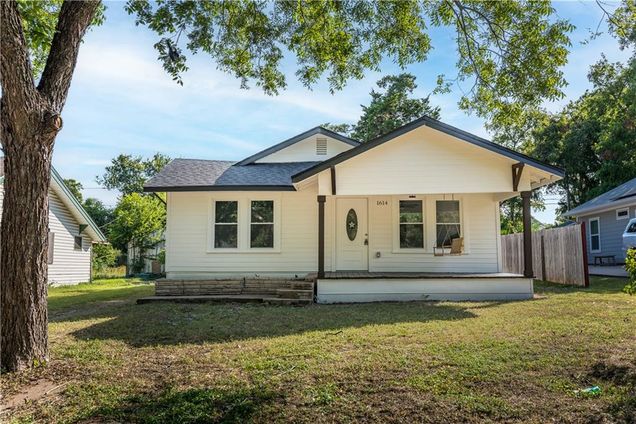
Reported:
(363, 286)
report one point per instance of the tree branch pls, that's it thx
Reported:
(74, 19)
(16, 74)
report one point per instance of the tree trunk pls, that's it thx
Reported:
(30, 120)
(24, 241)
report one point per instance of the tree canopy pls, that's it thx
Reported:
(128, 173)
(139, 220)
(389, 108)
(75, 187)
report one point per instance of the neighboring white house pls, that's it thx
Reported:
(606, 217)
(369, 220)
(71, 234)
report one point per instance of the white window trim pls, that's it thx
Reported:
(589, 223)
(395, 213)
(461, 218)
(243, 222)
(212, 224)
(277, 225)
(620, 218)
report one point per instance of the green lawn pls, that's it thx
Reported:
(396, 362)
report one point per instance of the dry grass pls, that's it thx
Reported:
(389, 362)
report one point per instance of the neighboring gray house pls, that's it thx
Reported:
(71, 234)
(606, 217)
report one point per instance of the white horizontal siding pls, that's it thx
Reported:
(479, 229)
(69, 266)
(427, 161)
(305, 151)
(189, 224)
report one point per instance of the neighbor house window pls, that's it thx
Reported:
(447, 223)
(262, 224)
(411, 224)
(77, 244)
(225, 224)
(622, 213)
(595, 235)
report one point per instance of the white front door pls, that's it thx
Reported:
(352, 236)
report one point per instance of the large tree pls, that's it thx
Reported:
(510, 53)
(390, 107)
(128, 173)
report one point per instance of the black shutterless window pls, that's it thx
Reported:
(411, 224)
(225, 224)
(262, 224)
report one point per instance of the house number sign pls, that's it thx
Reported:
(382, 203)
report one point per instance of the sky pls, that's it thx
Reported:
(121, 100)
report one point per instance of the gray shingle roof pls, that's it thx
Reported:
(210, 175)
(623, 191)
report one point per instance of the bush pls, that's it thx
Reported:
(630, 266)
(104, 256)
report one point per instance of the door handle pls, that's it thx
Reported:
(366, 241)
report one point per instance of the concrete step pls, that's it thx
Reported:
(280, 301)
(295, 294)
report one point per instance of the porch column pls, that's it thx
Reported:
(527, 235)
(321, 236)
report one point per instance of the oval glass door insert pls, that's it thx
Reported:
(352, 224)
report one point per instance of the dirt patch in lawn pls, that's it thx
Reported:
(31, 393)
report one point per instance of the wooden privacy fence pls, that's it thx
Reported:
(558, 254)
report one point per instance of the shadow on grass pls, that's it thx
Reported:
(190, 406)
(167, 324)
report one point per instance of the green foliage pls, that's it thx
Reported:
(39, 19)
(100, 214)
(161, 256)
(75, 187)
(138, 220)
(389, 109)
(128, 173)
(104, 256)
(510, 52)
(593, 138)
(630, 266)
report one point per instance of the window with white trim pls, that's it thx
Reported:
(411, 224)
(622, 213)
(447, 222)
(595, 235)
(262, 224)
(225, 224)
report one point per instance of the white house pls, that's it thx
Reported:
(370, 221)
(72, 233)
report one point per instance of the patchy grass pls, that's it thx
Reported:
(110, 272)
(396, 362)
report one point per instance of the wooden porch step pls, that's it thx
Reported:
(282, 301)
(240, 298)
(295, 294)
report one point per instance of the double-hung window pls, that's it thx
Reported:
(262, 224)
(595, 235)
(411, 224)
(447, 224)
(225, 224)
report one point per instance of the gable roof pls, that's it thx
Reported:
(76, 209)
(296, 139)
(618, 196)
(437, 125)
(218, 175)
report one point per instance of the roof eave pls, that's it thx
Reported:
(159, 189)
(440, 126)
